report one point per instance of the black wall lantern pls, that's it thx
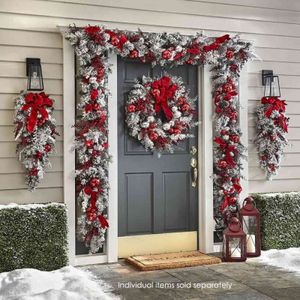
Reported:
(271, 84)
(34, 74)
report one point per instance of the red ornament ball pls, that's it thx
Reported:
(185, 107)
(134, 54)
(181, 101)
(264, 157)
(114, 40)
(235, 138)
(38, 155)
(166, 54)
(47, 148)
(91, 214)
(229, 54)
(33, 172)
(222, 164)
(272, 138)
(95, 182)
(131, 108)
(96, 106)
(89, 143)
(153, 136)
(227, 87)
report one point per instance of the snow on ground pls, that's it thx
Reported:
(288, 259)
(67, 283)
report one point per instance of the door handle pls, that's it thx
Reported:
(194, 177)
(194, 167)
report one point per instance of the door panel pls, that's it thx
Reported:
(139, 202)
(155, 194)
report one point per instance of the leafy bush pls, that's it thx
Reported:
(280, 218)
(33, 236)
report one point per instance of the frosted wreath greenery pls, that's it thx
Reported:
(35, 133)
(272, 128)
(226, 55)
(160, 113)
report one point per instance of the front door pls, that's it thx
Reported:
(157, 205)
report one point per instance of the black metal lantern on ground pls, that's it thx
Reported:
(234, 242)
(271, 84)
(250, 220)
(34, 74)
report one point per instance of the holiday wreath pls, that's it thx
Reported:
(226, 55)
(159, 112)
(35, 132)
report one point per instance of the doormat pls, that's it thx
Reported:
(171, 260)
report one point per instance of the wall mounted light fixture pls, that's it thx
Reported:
(34, 74)
(271, 84)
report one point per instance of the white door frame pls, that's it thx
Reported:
(205, 158)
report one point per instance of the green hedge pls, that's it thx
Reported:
(33, 236)
(280, 219)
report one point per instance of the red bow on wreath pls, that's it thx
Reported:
(162, 91)
(37, 103)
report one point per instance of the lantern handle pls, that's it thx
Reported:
(233, 222)
(252, 202)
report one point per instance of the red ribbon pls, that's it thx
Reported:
(103, 221)
(162, 90)
(229, 158)
(282, 122)
(37, 103)
(93, 192)
(228, 149)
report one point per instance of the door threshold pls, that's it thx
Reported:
(157, 243)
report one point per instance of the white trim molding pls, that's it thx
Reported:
(69, 135)
(206, 221)
(112, 233)
(243, 113)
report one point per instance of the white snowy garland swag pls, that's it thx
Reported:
(226, 55)
(35, 133)
(159, 112)
(272, 128)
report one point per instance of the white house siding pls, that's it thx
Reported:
(29, 29)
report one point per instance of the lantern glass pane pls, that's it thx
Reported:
(224, 245)
(272, 88)
(250, 228)
(35, 78)
(235, 247)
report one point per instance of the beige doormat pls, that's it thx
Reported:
(171, 260)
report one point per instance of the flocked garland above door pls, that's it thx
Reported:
(225, 54)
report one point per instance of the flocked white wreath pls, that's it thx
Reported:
(160, 112)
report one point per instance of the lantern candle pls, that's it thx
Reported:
(235, 252)
(251, 243)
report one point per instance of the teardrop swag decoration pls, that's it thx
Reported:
(226, 55)
(35, 133)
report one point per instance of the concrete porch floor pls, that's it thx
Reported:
(248, 280)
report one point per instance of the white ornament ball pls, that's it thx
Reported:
(166, 126)
(150, 119)
(177, 114)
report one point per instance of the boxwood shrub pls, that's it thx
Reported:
(33, 236)
(280, 218)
